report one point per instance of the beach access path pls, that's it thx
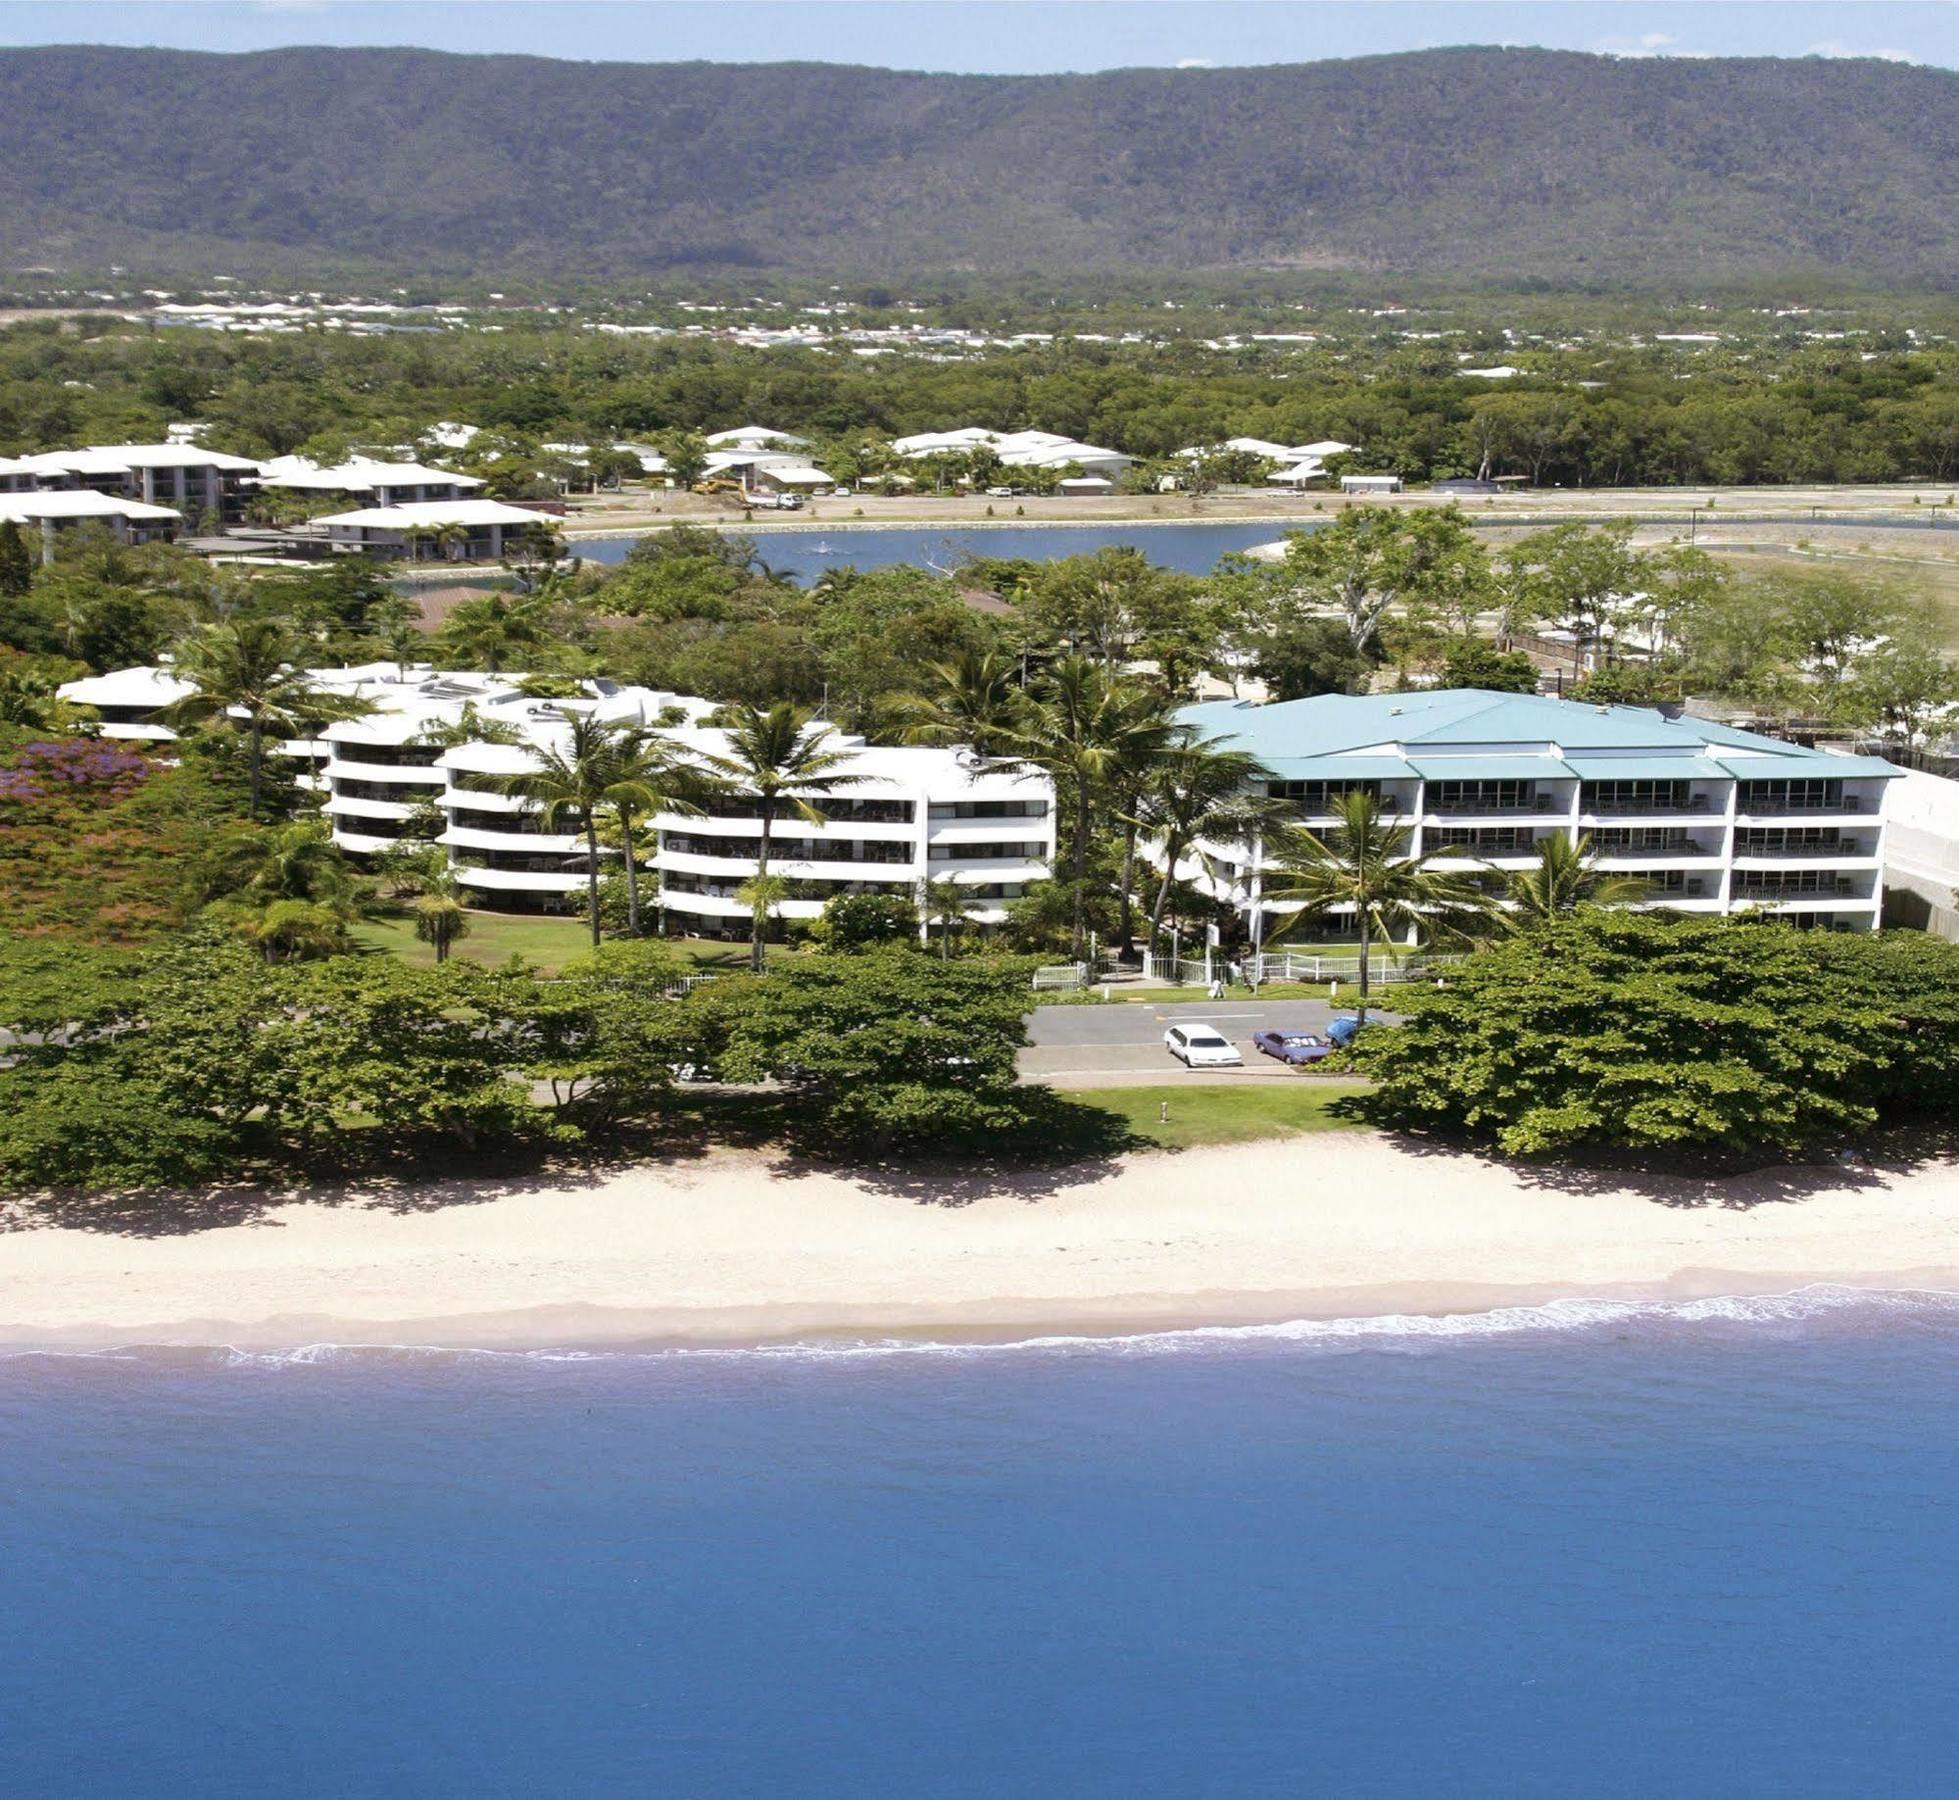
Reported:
(743, 1248)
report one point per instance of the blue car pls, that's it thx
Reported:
(1298, 1048)
(1344, 1030)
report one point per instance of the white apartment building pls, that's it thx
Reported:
(915, 814)
(1712, 819)
(364, 478)
(1017, 449)
(433, 530)
(47, 514)
(182, 478)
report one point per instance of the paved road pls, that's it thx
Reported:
(1121, 1041)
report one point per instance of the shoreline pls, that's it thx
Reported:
(734, 1251)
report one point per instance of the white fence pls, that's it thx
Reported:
(1061, 975)
(1294, 965)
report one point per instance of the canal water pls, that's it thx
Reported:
(805, 553)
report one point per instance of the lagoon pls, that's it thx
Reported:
(806, 552)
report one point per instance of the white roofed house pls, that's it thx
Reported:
(186, 478)
(362, 478)
(47, 513)
(433, 530)
(1017, 449)
(769, 471)
(756, 437)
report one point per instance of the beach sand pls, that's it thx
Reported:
(735, 1248)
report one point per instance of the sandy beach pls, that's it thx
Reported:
(736, 1249)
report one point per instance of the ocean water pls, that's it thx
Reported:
(804, 552)
(1574, 1550)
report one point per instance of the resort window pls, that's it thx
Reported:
(1634, 840)
(1494, 841)
(989, 809)
(1793, 840)
(1319, 796)
(1639, 797)
(1809, 795)
(1003, 852)
(1482, 796)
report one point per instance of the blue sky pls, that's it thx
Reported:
(1004, 36)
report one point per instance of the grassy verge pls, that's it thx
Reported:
(550, 943)
(1218, 1115)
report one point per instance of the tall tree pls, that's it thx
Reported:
(16, 565)
(1086, 727)
(1363, 868)
(1565, 877)
(975, 699)
(1201, 793)
(243, 670)
(584, 774)
(783, 759)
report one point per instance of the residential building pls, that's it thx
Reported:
(1712, 819)
(913, 814)
(131, 521)
(756, 437)
(363, 478)
(1370, 484)
(1017, 449)
(182, 477)
(432, 530)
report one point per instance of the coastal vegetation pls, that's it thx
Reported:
(1605, 1031)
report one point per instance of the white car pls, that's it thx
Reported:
(1202, 1047)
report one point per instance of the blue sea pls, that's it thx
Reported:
(1582, 1549)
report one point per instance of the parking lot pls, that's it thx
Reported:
(1087, 1046)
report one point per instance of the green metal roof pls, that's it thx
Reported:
(1489, 768)
(1646, 768)
(1312, 732)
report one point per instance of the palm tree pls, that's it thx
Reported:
(440, 917)
(1565, 877)
(292, 930)
(468, 727)
(1363, 865)
(975, 699)
(243, 669)
(653, 777)
(492, 632)
(298, 861)
(1088, 725)
(779, 757)
(586, 775)
(1199, 791)
(943, 903)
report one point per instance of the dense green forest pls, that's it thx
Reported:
(1591, 409)
(1513, 163)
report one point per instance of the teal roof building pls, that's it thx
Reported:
(1710, 818)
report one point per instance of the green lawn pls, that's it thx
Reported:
(548, 942)
(1235, 1113)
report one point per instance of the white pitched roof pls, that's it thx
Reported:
(420, 514)
(751, 436)
(359, 475)
(78, 503)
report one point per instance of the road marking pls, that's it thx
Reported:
(1205, 1018)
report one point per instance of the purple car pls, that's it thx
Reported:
(1296, 1047)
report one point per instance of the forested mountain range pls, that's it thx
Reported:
(1476, 164)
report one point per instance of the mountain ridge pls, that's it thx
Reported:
(1480, 163)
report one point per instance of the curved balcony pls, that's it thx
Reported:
(523, 843)
(430, 781)
(349, 806)
(520, 881)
